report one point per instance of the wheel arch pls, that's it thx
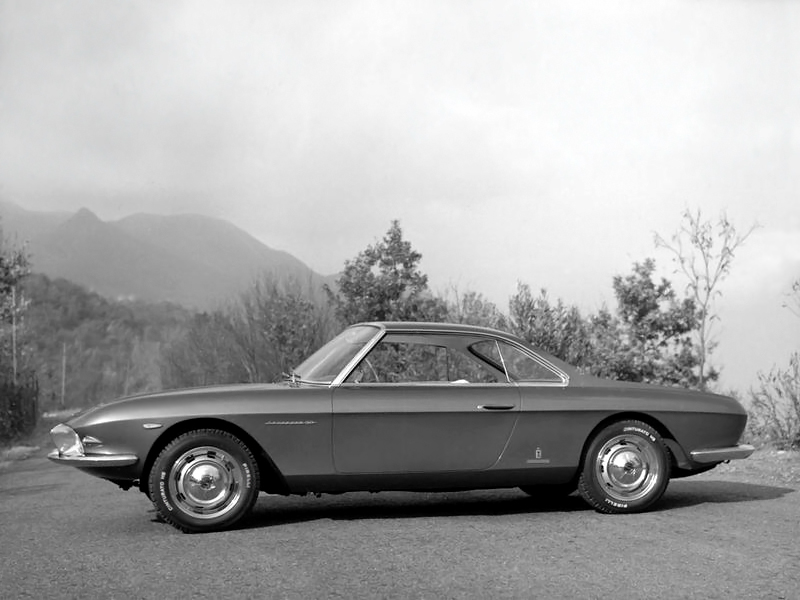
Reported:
(677, 456)
(271, 477)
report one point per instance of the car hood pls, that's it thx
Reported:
(209, 400)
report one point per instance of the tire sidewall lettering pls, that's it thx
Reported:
(248, 481)
(641, 431)
(162, 489)
(616, 504)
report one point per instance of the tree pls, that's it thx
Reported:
(14, 268)
(647, 339)
(554, 327)
(775, 405)
(266, 332)
(18, 396)
(651, 338)
(704, 252)
(384, 283)
(473, 308)
(87, 349)
(775, 402)
(205, 353)
(276, 325)
(793, 299)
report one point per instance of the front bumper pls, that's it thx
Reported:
(94, 460)
(715, 455)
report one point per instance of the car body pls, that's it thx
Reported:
(405, 406)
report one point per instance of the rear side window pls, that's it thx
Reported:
(519, 365)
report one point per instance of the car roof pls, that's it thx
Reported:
(424, 327)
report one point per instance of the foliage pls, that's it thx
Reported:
(384, 283)
(204, 353)
(473, 308)
(269, 330)
(14, 268)
(18, 389)
(87, 349)
(19, 408)
(555, 328)
(277, 326)
(775, 405)
(793, 298)
(650, 340)
(704, 252)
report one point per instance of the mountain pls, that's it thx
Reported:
(191, 260)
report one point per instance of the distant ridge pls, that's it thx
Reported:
(193, 260)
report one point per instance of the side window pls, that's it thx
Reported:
(465, 369)
(520, 366)
(392, 361)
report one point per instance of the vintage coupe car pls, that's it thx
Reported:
(404, 406)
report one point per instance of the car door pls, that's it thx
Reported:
(422, 404)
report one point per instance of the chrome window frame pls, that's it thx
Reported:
(348, 368)
(383, 331)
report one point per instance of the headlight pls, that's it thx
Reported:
(66, 440)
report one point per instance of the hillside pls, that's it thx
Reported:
(192, 260)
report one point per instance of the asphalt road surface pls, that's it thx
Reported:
(64, 534)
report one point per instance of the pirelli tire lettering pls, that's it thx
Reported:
(248, 476)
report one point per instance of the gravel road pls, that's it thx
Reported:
(724, 534)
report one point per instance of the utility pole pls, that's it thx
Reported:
(63, 372)
(14, 332)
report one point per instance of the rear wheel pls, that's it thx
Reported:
(204, 480)
(626, 468)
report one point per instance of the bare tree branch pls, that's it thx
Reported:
(703, 252)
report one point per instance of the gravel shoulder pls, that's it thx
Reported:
(765, 465)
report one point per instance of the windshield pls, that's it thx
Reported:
(327, 362)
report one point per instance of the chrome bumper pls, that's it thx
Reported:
(94, 460)
(714, 455)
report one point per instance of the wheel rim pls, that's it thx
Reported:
(205, 482)
(628, 467)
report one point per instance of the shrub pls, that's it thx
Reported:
(775, 406)
(19, 408)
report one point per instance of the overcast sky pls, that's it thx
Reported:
(541, 142)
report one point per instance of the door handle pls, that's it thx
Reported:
(495, 407)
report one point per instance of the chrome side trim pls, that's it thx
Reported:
(712, 455)
(95, 460)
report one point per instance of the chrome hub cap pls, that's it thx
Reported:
(627, 467)
(206, 482)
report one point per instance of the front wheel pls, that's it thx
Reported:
(204, 480)
(626, 468)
